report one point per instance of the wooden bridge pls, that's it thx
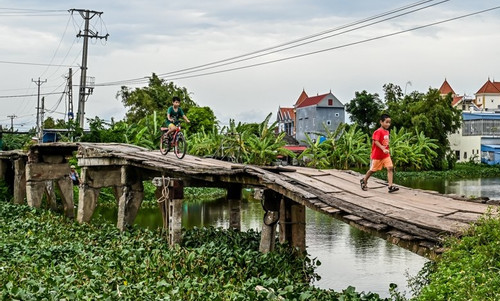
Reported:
(415, 219)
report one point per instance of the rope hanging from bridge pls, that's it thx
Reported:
(164, 191)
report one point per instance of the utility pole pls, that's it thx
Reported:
(71, 113)
(38, 83)
(12, 122)
(87, 15)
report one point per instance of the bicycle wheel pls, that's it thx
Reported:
(164, 145)
(180, 146)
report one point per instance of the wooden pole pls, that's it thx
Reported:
(234, 197)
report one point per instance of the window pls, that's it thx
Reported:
(457, 154)
(330, 102)
(337, 114)
(465, 155)
(328, 122)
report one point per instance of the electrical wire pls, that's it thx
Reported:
(341, 46)
(205, 66)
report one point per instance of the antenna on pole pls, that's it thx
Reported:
(87, 15)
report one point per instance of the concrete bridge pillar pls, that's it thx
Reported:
(131, 194)
(170, 194)
(127, 188)
(271, 205)
(87, 196)
(19, 180)
(234, 197)
(40, 179)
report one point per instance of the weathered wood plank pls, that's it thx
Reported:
(402, 203)
(466, 217)
(352, 178)
(323, 186)
(346, 186)
(309, 171)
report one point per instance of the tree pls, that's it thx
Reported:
(201, 118)
(365, 110)
(430, 114)
(157, 96)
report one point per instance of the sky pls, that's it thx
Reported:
(357, 47)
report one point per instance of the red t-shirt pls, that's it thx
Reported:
(381, 135)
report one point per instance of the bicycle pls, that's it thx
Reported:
(176, 140)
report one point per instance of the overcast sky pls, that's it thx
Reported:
(167, 36)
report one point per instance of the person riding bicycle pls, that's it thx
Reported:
(174, 113)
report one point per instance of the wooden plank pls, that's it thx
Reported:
(466, 217)
(353, 218)
(331, 210)
(310, 182)
(309, 171)
(403, 203)
(347, 186)
(354, 178)
(425, 226)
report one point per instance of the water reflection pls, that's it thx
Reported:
(483, 187)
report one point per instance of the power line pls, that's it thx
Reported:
(341, 46)
(29, 95)
(224, 62)
(34, 64)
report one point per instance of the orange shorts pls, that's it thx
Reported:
(377, 165)
(172, 126)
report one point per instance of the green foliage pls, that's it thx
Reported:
(412, 151)
(251, 144)
(469, 270)
(157, 96)
(44, 256)
(343, 148)
(365, 110)
(200, 118)
(16, 141)
(429, 114)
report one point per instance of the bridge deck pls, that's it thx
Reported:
(409, 214)
(409, 217)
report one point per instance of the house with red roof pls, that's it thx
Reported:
(313, 114)
(286, 121)
(487, 98)
(460, 101)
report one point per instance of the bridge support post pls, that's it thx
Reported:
(87, 196)
(234, 198)
(170, 204)
(271, 206)
(66, 188)
(131, 194)
(292, 224)
(19, 181)
(175, 212)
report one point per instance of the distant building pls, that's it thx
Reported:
(488, 97)
(458, 101)
(313, 113)
(286, 121)
(478, 139)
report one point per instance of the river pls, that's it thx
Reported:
(349, 256)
